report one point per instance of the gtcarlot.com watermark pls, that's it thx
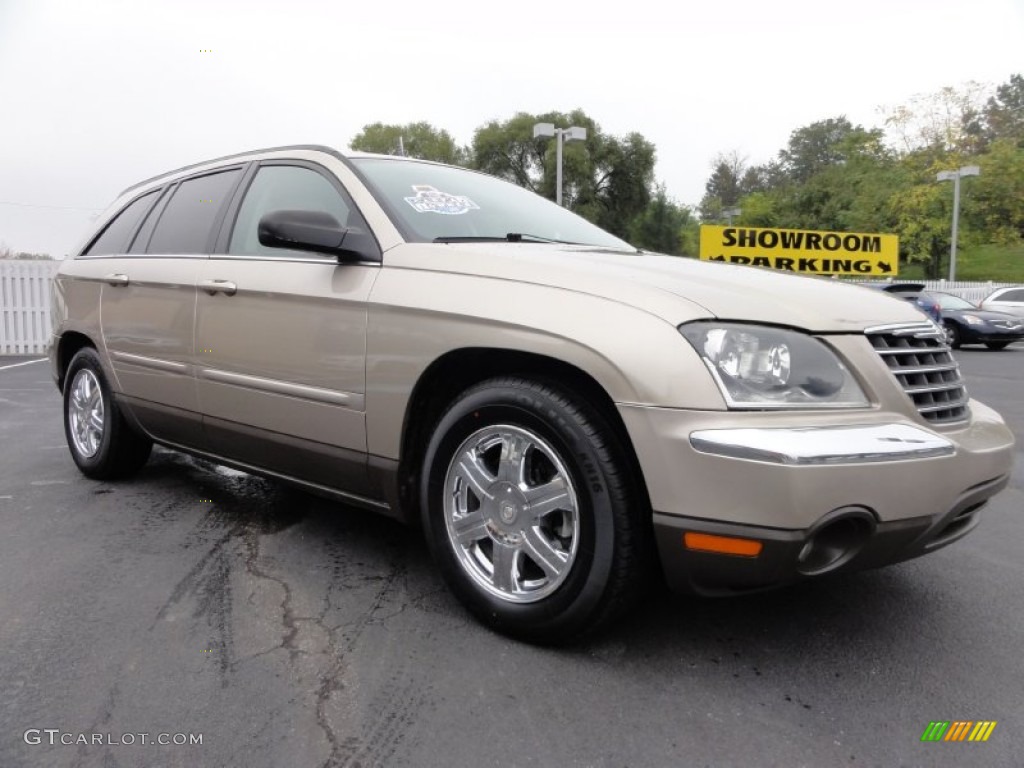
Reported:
(56, 737)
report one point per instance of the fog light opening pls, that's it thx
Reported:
(835, 542)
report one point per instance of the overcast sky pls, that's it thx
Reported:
(98, 94)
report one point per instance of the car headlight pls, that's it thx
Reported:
(973, 319)
(761, 367)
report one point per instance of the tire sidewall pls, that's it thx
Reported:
(956, 336)
(580, 595)
(88, 359)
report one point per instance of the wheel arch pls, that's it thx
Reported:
(67, 347)
(457, 370)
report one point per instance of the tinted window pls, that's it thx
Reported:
(1015, 295)
(138, 245)
(115, 237)
(283, 188)
(188, 218)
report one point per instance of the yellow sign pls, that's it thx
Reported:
(800, 250)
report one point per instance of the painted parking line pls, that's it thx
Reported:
(18, 365)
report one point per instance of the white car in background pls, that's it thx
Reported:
(1006, 300)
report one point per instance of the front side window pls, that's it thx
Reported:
(186, 224)
(283, 188)
(114, 239)
(441, 203)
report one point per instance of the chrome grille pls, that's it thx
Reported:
(919, 358)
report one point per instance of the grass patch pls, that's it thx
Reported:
(998, 263)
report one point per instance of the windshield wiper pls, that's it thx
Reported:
(470, 239)
(511, 237)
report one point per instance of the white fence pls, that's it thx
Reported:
(25, 306)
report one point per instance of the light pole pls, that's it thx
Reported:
(561, 134)
(955, 176)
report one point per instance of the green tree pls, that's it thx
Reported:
(922, 219)
(606, 179)
(420, 140)
(995, 200)
(732, 180)
(759, 210)
(1004, 112)
(623, 174)
(823, 144)
(661, 226)
(725, 185)
(831, 175)
(950, 119)
(921, 210)
(507, 149)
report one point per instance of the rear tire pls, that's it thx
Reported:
(997, 344)
(529, 511)
(102, 443)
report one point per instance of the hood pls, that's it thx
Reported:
(674, 288)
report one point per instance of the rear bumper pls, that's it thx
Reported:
(846, 539)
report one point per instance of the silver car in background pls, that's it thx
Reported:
(1010, 300)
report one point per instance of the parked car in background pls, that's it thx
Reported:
(915, 294)
(966, 323)
(561, 412)
(1005, 300)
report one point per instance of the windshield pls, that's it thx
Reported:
(949, 301)
(445, 204)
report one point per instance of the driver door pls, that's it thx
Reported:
(281, 340)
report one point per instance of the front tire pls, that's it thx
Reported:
(102, 443)
(997, 344)
(530, 511)
(953, 336)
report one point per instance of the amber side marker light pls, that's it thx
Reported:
(722, 545)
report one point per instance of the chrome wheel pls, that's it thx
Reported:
(511, 513)
(86, 413)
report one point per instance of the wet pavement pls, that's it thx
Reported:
(287, 630)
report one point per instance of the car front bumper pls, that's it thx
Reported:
(813, 497)
(985, 336)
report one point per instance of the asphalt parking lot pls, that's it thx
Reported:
(285, 630)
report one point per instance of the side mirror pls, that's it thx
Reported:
(315, 231)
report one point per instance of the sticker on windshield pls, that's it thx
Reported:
(431, 200)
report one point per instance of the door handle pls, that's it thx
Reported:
(213, 287)
(116, 279)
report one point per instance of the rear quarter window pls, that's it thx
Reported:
(114, 238)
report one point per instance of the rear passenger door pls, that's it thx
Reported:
(281, 338)
(148, 304)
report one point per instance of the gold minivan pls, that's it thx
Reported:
(562, 413)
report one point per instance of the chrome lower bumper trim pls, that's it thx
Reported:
(815, 446)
